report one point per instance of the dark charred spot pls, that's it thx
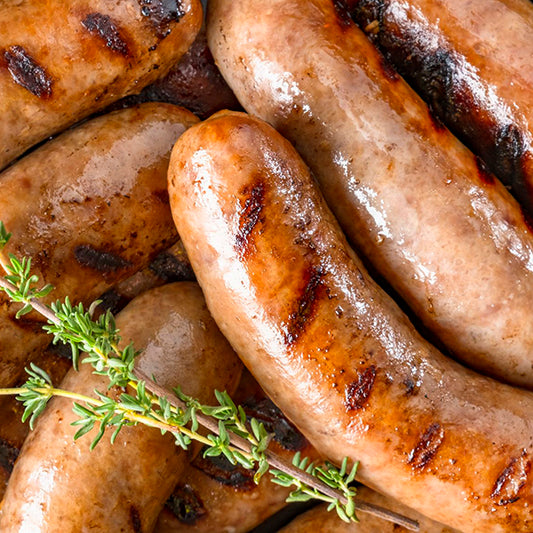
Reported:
(511, 145)
(221, 470)
(162, 14)
(249, 216)
(135, 518)
(27, 72)
(186, 505)
(103, 27)
(344, 18)
(358, 391)
(484, 173)
(410, 386)
(511, 480)
(298, 320)
(427, 447)
(8, 455)
(112, 301)
(275, 422)
(99, 260)
(387, 69)
(169, 268)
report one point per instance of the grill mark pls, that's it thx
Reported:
(27, 73)
(511, 480)
(169, 268)
(161, 14)
(103, 27)
(221, 470)
(186, 505)
(99, 260)
(357, 392)
(249, 216)
(135, 518)
(8, 455)
(427, 447)
(299, 319)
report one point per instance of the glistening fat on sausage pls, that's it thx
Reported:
(330, 348)
(60, 486)
(445, 234)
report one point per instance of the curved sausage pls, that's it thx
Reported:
(90, 208)
(213, 495)
(447, 236)
(320, 519)
(330, 348)
(471, 62)
(62, 61)
(59, 486)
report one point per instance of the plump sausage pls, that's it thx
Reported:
(320, 519)
(330, 348)
(445, 234)
(59, 486)
(90, 208)
(471, 61)
(62, 61)
(213, 495)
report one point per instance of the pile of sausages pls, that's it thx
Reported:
(281, 238)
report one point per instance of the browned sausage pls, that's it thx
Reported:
(330, 348)
(90, 208)
(321, 520)
(63, 60)
(60, 486)
(213, 495)
(471, 61)
(445, 234)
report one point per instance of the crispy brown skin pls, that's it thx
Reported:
(330, 348)
(90, 208)
(60, 486)
(445, 234)
(63, 60)
(471, 62)
(320, 520)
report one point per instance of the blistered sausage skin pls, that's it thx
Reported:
(330, 348)
(59, 486)
(445, 234)
(89, 208)
(471, 61)
(63, 60)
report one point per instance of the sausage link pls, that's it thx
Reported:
(59, 485)
(62, 61)
(471, 62)
(445, 234)
(330, 348)
(90, 208)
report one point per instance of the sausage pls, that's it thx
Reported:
(91, 209)
(320, 519)
(470, 61)
(330, 348)
(446, 235)
(59, 486)
(61, 62)
(213, 495)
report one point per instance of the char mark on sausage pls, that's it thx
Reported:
(103, 27)
(427, 447)
(99, 260)
(186, 505)
(511, 480)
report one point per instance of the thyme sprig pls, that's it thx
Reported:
(241, 440)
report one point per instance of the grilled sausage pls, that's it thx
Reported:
(213, 495)
(445, 234)
(59, 486)
(330, 348)
(320, 519)
(62, 61)
(471, 61)
(90, 208)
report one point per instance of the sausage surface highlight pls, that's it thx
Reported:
(90, 208)
(59, 486)
(60, 60)
(471, 61)
(330, 348)
(445, 234)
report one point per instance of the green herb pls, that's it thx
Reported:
(240, 440)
